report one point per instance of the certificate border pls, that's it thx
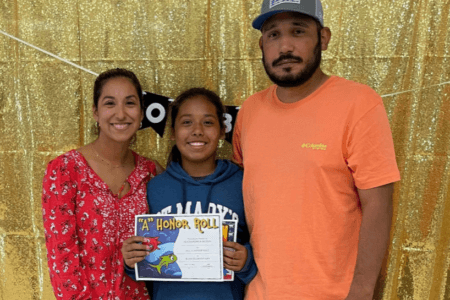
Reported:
(219, 279)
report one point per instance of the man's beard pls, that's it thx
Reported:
(293, 80)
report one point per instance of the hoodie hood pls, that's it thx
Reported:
(224, 170)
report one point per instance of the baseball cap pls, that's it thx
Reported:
(312, 8)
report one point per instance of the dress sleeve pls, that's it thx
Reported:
(58, 210)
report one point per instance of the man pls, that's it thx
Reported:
(319, 167)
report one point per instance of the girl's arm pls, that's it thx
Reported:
(58, 210)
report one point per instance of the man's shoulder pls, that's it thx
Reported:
(347, 92)
(351, 86)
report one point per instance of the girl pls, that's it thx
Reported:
(195, 180)
(91, 195)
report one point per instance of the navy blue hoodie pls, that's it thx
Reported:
(175, 192)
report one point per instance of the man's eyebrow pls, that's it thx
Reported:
(300, 23)
(264, 28)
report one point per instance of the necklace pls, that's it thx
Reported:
(107, 161)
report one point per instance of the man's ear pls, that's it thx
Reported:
(325, 34)
(260, 43)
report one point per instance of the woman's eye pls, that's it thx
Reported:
(109, 103)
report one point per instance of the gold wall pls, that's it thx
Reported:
(45, 106)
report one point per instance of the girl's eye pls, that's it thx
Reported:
(186, 122)
(209, 123)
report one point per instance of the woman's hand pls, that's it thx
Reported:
(134, 250)
(234, 256)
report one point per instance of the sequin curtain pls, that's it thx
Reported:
(45, 106)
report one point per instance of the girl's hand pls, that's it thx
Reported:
(234, 257)
(133, 252)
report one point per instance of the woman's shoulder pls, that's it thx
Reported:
(148, 164)
(65, 165)
(69, 158)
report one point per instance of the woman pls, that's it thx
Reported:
(91, 195)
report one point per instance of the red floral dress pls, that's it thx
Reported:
(85, 226)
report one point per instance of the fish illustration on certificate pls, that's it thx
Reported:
(182, 247)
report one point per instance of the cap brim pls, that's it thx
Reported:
(259, 21)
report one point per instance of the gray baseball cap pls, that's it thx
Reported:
(312, 8)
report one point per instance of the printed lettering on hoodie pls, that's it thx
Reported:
(196, 209)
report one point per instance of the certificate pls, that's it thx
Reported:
(182, 247)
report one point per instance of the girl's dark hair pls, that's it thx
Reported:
(115, 73)
(213, 98)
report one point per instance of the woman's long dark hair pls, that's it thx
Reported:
(213, 98)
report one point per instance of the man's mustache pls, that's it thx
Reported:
(286, 57)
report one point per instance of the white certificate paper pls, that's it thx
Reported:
(182, 247)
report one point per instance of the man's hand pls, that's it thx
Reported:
(234, 256)
(134, 250)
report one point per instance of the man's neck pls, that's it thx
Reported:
(297, 93)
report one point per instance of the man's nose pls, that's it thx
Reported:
(286, 44)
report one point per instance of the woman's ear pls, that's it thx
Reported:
(95, 113)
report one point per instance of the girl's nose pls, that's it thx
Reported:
(197, 130)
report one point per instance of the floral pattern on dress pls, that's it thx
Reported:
(85, 226)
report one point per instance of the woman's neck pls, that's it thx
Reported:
(114, 152)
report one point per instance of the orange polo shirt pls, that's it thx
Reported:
(302, 164)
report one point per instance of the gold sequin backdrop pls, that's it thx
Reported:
(45, 106)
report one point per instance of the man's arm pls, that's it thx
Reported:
(376, 205)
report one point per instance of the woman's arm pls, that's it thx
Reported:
(58, 210)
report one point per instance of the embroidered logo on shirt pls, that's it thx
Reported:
(278, 2)
(315, 146)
